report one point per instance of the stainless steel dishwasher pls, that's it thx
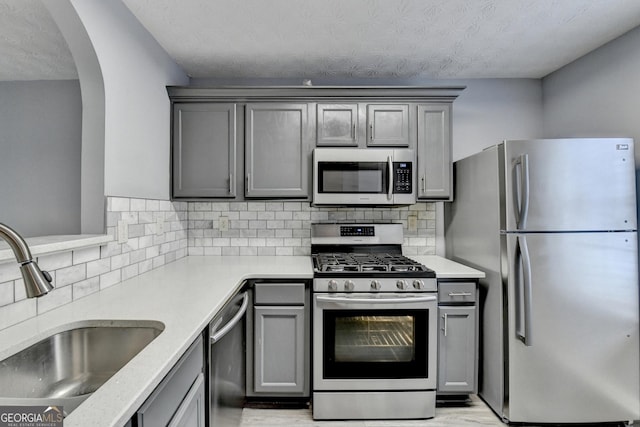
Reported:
(227, 363)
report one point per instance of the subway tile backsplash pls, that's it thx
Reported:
(193, 228)
(84, 271)
(284, 228)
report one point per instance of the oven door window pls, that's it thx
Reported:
(353, 177)
(375, 344)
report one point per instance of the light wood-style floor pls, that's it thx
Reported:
(475, 413)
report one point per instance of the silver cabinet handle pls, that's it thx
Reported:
(353, 131)
(521, 189)
(233, 322)
(460, 294)
(424, 185)
(230, 183)
(444, 328)
(371, 132)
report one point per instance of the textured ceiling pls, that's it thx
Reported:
(338, 38)
(382, 38)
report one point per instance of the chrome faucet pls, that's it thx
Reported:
(36, 282)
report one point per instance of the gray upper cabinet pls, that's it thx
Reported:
(204, 150)
(337, 125)
(388, 125)
(257, 142)
(434, 152)
(277, 150)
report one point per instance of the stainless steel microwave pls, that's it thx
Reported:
(373, 176)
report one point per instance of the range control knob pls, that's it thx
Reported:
(375, 285)
(349, 285)
(401, 284)
(418, 284)
(333, 285)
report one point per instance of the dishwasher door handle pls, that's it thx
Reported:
(233, 322)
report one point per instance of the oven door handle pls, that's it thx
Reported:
(365, 300)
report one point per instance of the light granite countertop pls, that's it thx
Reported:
(184, 295)
(447, 269)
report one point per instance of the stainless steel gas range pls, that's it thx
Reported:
(374, 325)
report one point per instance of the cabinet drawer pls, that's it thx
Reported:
(279, 293)
(456, 292)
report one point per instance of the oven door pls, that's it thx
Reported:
(375, 341)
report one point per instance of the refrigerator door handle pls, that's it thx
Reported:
(521, 190)
(523, 286)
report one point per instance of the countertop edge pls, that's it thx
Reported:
(51, 244)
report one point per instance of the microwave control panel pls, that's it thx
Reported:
(402, 178)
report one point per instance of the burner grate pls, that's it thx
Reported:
(365, 262)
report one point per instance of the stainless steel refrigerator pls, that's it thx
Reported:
(553, 225)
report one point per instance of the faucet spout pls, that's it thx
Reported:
(36, 281)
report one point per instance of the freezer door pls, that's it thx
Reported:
(569, 184)
(573, 340)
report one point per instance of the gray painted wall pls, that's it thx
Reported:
(596, 95)
(40, 140)
(135, 69)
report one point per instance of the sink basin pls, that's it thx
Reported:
(67, 366)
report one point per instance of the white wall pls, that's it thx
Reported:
(40, 138)
(135, 70)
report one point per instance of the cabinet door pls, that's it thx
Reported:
(204, 150)
(388, 125)
(278, 149)
(191, 410)
(457, 349)
(166, 400)
(434, 152)
(337, 124)
(279, 349)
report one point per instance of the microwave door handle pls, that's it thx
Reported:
(390, 186)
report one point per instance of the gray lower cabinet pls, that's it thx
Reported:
(458, 338)
(191, 411)
(204, 150)
(279, 350)
(278, 359)
(278, 143)
(179, 400)
(435, 169)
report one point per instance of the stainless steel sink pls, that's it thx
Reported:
(67, 366)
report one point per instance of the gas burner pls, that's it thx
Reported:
(338, 268)
(366, 263)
